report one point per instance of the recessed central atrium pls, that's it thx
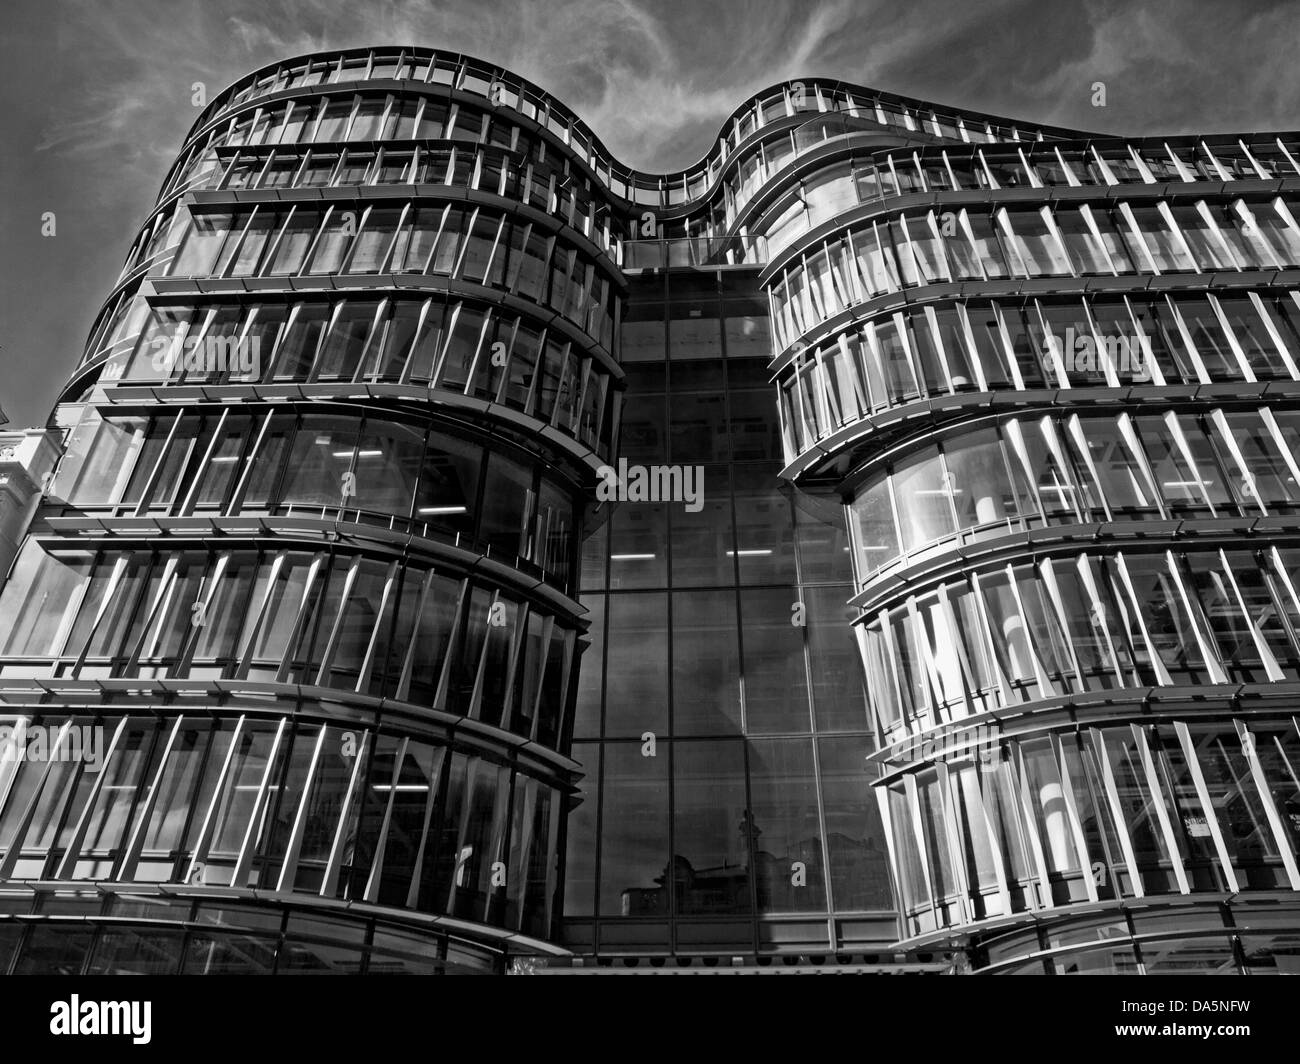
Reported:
(964, 635)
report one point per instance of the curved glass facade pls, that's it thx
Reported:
(285, 460)
(946, 347)
(886, 256)
(1077, 623)
(330, 650)
(1022, 473)
(1055, 386)
(331, 810)
(306, 575)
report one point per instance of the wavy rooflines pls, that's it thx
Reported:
(466, 65)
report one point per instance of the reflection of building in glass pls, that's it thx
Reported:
(383, 688)
(752, 830)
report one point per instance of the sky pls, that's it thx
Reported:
(95, 95)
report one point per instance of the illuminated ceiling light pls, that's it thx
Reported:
(752, 552)
(631, 557)
(441, 510)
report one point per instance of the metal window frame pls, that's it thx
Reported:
(1227, 443)
(991, 646)
(333, 863)
(1070, 800)
(1036, 858)
(1047, 576)
(912, 801)
(1180, 444)
(1127, 602)
(1161, 804)
(971, 784)
(257, 813)
(202, 842)
(124, 867)
(1207, 805)
(954, 838)
(1098, 615)
(1096, 747)
(1137, 238)
(72, 852)
(24, 820)
(1249, 746)
(1047, 686)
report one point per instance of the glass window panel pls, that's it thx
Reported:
(706, 663)
(977, 477)
(859, 864)
(913, 887)
(259, 231)
(323, 450)
(297, 351)
(222, 469)
(785, 826)
(135, 951)
(1167, 621)
(337, 233)
(1188, 818)
(839, 696)
(295, 238)
(98, 450)
(1037, 245)
(638, 552)
(938, 852)
(39, 596)
(580, 828)
(282, 607)
(1270, 480)
(1048, 801)
(923, 494)
(776, 688)
(389, 458)
(481, 840)
(634, 860)
(1209, 339)
(53, 950)
(1123, 485)
(446, 496)
(876, 535)
(713, 829)
(1010, 638)
(196, 256)
(636, 693)
(1208, 250)
(1024, 348)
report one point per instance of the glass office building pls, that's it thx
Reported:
(871, 548)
